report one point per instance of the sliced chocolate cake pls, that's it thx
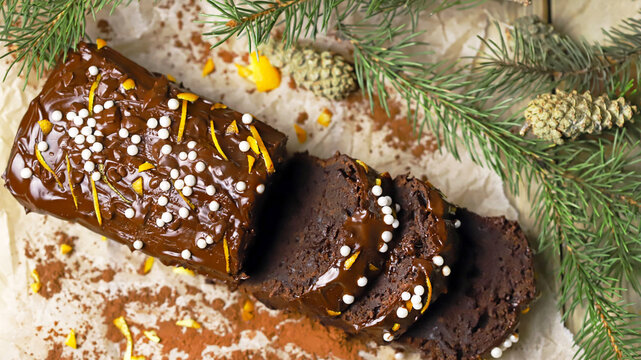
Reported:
(325, 234)
(415, 273)
(491, 284)
(132, 156)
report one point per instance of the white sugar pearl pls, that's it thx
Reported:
(345, 250)
(71, 115)
(496, 352)
(416, 299)
(247, 119)
(438, 260)
(187, 191)
(507, 344)
(109, 104)
(406, 295)
(152, 123)
(165, 185)
(446, 270)
(243, 146)
(201, 243)
(457, 223)
(362, 281)
(165, 121)
(402, 313)
(89, 166)
(241, 186)
(174, 173)
(97, 133)
(73, 132)
(163, 134)
(398, 207)
(399, 356)
(167, 217)
(96, 147)
(192, 155)
(388, 337)
(377, 190)
(210, 189)
(126, 113)
(186, 254)
(160, 223)
(80, 139)
(190, 180)
(417, 305)
(179, 184)
(93, 71)
(214, 205)
(173, 104)
(91, 122)
(26, 173)
(381, 201)
(136, 139)
(95, 176)
(123, 133)
(166, 149)
(86, 131)
(386, 236)
(182, 155)
(78, 121)
(162, 200)
(514, 338)
(209, 239)
(388, 219)
(138, 244)
(43, 146)
(200, 166)
(183, 212)
(383, 248)
(419, 290)
(132, 150)
(83, 113)
(56, 115)
(129, 213)
(260, 188)
(191, 144)
(348, 299)
(396, 224)
(97, 109)
(386, 210)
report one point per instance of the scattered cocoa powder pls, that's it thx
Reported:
(106, 275)
(104, 27)
(51, 272)
(292, 83)
(227, 56)
(302, 117)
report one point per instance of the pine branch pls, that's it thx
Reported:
(37, 32)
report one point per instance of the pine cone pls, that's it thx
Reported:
(531, 27)
(560, 116)
(324, 73)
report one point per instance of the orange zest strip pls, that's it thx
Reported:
(183, 120)
(100, 43)
(359, 162)
(253, 144)
(209, 67)
(145, 166)
(121, 324)
(213, 137)
(92, 92)
(332, 313)
(396, 327)
(226, 250)
(217, 106)
(378, 182)
(171, 78)
(189, 203)
(71, 340)
(232, 128)
(301, 134)
(44, 164)
(36, 285)
(372, 267)
(250, 163)
(75, 199)
(351, 260)
(261, 145)
(96, 204)
(429, 294)
(149, 263)
(191, 97)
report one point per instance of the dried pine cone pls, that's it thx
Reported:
(324, 73)
(531, 27)
(560, 116)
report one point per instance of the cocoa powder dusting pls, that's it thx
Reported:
(302, 117)
(226, 56)
(51, 272)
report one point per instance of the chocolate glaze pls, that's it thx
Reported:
(68, 89)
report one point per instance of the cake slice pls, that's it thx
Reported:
(325, 234)
(134, 157)
(417, 270)
(491, 285)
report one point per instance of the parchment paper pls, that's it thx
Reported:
(161, 37)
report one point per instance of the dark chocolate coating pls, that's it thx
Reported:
(426, 230)
(68, 88)
(490, 286)
(317, 207)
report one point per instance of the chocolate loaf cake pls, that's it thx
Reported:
(491, 284)
(415, 273)
(130, 155)
(325, 235)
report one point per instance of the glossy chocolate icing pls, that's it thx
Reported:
(68, 90)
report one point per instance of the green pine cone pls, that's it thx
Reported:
(323, 73)
(561, 116)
